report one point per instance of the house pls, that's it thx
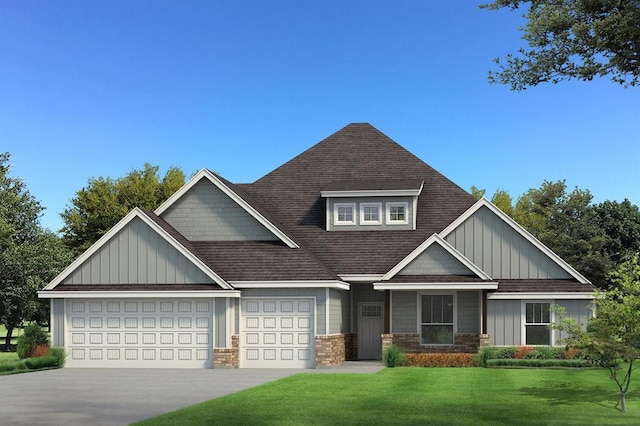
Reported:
(351, 245)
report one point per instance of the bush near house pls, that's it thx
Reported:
(524, 356)
(440, 360)
(32, 337)
(52, 358)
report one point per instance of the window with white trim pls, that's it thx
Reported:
(344, 214)
(397, 213)
(537, 323)
(370, 214)
(437, 319)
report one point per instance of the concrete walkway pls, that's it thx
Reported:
(108, 397)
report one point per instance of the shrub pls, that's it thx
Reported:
(522, 351)
(484, 354)
(392, 356)
(506, 352)
(40, 350)
(572, 353)
(540, 352)
(41, 362)
(440, 360)
(540, 363)
(32, 336)
(60, 355)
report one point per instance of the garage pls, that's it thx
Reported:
(153, 333)
(277, 333)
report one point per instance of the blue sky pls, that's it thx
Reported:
(98, 88)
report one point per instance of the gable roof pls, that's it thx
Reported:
(173, 238)
(358, 152)
(238, 195)
(520, 230)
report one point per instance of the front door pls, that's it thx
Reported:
(370, 327)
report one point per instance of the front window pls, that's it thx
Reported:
(344, 214)
(537, 323)
(370, 214)
(437, 319)
(397, 213)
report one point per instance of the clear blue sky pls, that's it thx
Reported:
(98, 88)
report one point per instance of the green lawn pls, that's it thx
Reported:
(460, 396)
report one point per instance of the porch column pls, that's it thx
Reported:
(387, 311)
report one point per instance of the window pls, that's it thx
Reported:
(437, 319)
(397, 213)
(537, 323)
(370, 214)
(344, 214)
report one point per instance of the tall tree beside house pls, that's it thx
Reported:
(29, 255)
(620, 223)
(104, 201)
(614, 333)
(573, 39)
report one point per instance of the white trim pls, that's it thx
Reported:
(361, 277)
(291, 284)
(455, 315)
(122, 294)
(436, 286)
(136, 212)
(387, 214)
(435, 238)
(519, 229)
(354, 214)
(370, 222)
(523, 321)
(533, 296)
(327, 298)
(204, 173)
(390, 314)
(372, 193)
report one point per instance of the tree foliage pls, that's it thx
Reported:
(573, 39)
(620, 223)
(29, 255)
(97, 207)
(614, 333)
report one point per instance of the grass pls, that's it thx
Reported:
(448, 396)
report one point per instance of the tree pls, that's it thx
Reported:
(573, 39)
(615, 331)
(104, 201)
(29, 255)
(620, 223)
(503, 201)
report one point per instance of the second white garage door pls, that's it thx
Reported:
(139, 333)
(277, 333)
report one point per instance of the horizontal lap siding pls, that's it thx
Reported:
(504, 322)
(373, 200)
(404, 312)
(468, 312)
(435, 261)
(338, 311)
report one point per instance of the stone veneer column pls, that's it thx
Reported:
(228, 357)
(330, 350)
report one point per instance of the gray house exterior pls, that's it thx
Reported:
(352, 245)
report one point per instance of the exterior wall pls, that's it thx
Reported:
(331, 350)
(228, 357)
(137, 255)
(338, 311)
(468, 312)
(57, 322)
(501, 252)
(579, 310)
(404, 311)
(363, 293)
(410, 342)
(318, 293)
(504, 322)
(435, 260)
(220, 323)
(358, 200)
(205, 213)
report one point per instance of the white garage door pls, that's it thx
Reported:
(277, 333)
(139, 333)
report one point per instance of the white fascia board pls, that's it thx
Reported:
(436, 286)
(519, 229)
(123, 294)
(291, 284)
(372, 193)
(529, 296)
(355, 278)
(435, 238)
(204, 173)
(136, 212)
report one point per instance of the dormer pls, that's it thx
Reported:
(362, 205)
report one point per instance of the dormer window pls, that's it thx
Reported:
(397, 213)
(370, 213)
(344, 214)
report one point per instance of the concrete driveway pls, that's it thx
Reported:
(79, 396)
(72, 396)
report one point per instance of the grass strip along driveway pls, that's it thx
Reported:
(460, 396)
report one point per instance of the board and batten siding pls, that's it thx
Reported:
(338, 311)
(404, 311)
(205, 213)
(57, 322)
(504, 322)
(500, 251)
(435, 260)
(579, 310)
(137, 255)
(468, 312)
(318, 293)
(220, 324)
